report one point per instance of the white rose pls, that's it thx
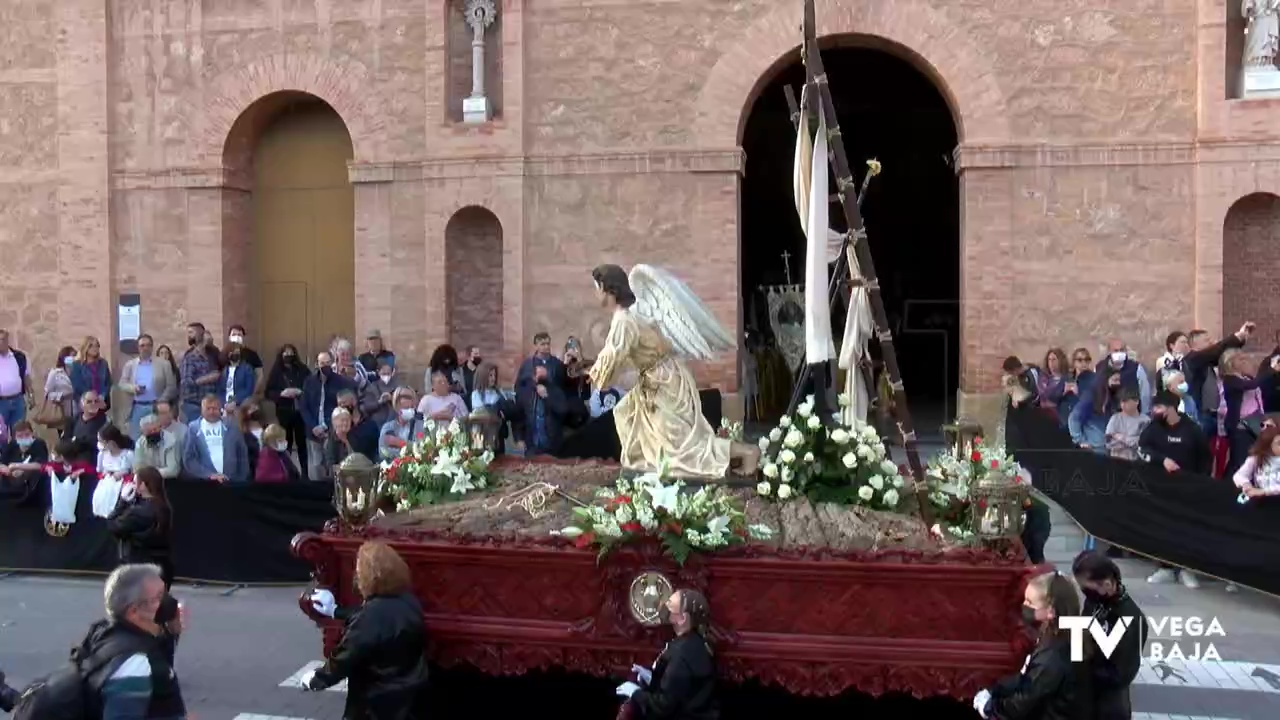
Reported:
(865, 452)
(891, 497)
(623, 514)
(844, 400)
(814, 422)
(876, 482)
(865, 492)
(804, 410)
(888, 468)
(850, 460)
(764, 488)
(794, 438)
(787, 474)
(808, 457)
(775, 435)
(764, 443)
(784, 491)
(784, 422)
(897, 481)
(839, 436)
(787, 457)
(771, 470)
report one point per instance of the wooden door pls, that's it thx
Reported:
(304, 221)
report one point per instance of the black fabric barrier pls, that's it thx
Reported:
(1186, 520)
(221, 533)
(598, 439)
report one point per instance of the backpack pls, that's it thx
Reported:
(65, 694)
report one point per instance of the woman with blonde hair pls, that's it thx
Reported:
(91, 372)
(1242, 399)
(1050, 684)
(382, 654)
(274, 463)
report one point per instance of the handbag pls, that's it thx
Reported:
(51, 414)
(63, 497)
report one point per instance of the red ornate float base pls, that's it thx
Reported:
(815, 623)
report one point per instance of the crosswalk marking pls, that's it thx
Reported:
(1211, 675)
(295, 680)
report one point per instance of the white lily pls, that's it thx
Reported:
(666, 497)
(718, 525)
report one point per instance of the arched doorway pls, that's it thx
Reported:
(291, 149)
(1250, 264)
(890, 111)
(473, 264)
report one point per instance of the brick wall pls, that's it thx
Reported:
(1251, 266)
(473, 261)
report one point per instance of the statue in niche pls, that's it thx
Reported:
(1262, 33)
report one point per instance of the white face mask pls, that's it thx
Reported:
(282, 447)
(1119, 357)
(257, 433)
(237, 339)
(386, 379)
(406, 414)
(102, 446)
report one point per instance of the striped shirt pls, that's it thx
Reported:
(126, 695)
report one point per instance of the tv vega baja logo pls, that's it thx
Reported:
(1167, 630)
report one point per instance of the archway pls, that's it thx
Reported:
(473, 266)
(291, 149)
(1250, 236)
(891, 111)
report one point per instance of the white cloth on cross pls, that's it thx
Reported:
(859, 326)
(812, 206)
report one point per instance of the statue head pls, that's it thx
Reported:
(612, 286)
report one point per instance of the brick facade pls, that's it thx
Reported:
(1098, 158)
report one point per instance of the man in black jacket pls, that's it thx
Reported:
(1173, 440)
(1107, 601)
(682, 684)
(1198, 366)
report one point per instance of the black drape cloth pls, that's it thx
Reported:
(1190, 521)
(221, 533)
(598, 439)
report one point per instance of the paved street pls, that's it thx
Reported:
(245, 648)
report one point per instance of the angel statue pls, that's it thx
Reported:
(657, 324)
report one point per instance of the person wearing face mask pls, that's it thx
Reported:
(1107, 601)
(90, 421)
(1050, 686)
(682, 683)
(284, 388)
(238, 380)
(319, 400)
(381, 652)
(363, 435)
(1174, 442)
(21, 461)
(376, 353)
(274, 464)
(1121, 363)
(157, 448)
(376, 400)
(252, 424)
(402, 428)
(250, 357)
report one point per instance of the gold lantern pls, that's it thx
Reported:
(358, 488)
(482, 427)
(959, 437)
(997, 502)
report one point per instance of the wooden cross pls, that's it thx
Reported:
(786, 262)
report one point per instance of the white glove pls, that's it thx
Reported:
(127, 491)
(626, 689)
(324, 603)
(980, 702)
(308, 678)
(644, 673)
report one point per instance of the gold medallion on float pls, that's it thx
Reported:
(648, 592)
(53, 528)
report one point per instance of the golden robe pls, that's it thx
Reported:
(661, 417)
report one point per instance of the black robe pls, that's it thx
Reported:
(683, 686)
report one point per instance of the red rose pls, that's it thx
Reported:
(421, 435)
(995, 464)
(976, 456)
(585, 539)
(632, 527)
(977, 440)
(982, 504)
(623, 500)
(1017, 479)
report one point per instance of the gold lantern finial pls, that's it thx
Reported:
(357, 490)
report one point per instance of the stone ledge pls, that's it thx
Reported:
(1207, 151)
(171, 178)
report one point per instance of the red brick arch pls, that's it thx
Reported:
(935, 40)
(346, 86)
(1251, 264)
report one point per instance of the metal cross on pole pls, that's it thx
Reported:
(816, 75)
(786, 264)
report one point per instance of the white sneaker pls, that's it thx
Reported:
(1163, 575)
(1189, 579)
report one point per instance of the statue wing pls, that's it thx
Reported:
(670, 306)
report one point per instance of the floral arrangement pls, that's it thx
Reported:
(648, 506)
(438, 466)
(950, 479)
(730, 430)
(846, 464)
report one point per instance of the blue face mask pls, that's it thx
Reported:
(1183, 387)
(25, 442)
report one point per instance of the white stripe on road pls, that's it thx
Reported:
(1210, 675)
(295, 680)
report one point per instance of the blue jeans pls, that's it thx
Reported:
(12, 410)
(139, 411)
